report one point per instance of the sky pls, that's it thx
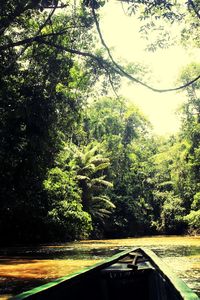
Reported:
(120, 32)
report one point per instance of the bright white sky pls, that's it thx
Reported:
(121, 32)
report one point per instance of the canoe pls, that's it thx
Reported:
(137, 274)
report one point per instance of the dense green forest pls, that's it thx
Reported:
(75, 162)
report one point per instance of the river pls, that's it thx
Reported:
(22, 268)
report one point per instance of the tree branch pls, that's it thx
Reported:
(122, 72)
(48, 19)
(101, 62)
(98, 59)
(20, 9)
(34, 39)
(191, 3)
(113, 65)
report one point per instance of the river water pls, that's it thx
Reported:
(22, 268)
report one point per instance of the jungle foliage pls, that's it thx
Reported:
(76, 163)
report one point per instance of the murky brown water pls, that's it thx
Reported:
(22, 268)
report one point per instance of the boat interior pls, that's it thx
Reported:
(131, 277)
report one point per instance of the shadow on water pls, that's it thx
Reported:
(60, 252)
(22, 268)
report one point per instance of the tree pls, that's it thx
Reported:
(177, 169)
(90, 166)
(42, 92)
(119, 126)
(190, 133)
(50, 64)
(66, 219)
(172, 215)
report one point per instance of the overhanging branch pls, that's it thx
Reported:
(191, 3)
(106, 65)
(122, 72)
(34, 39)
(19, 10)
(101, 62)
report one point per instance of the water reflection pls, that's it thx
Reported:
(22, 274)
(22, 268)
(61, 252)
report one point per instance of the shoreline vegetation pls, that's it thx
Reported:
(160, 239)
(76, 162)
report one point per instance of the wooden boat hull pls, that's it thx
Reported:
(137, 274)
